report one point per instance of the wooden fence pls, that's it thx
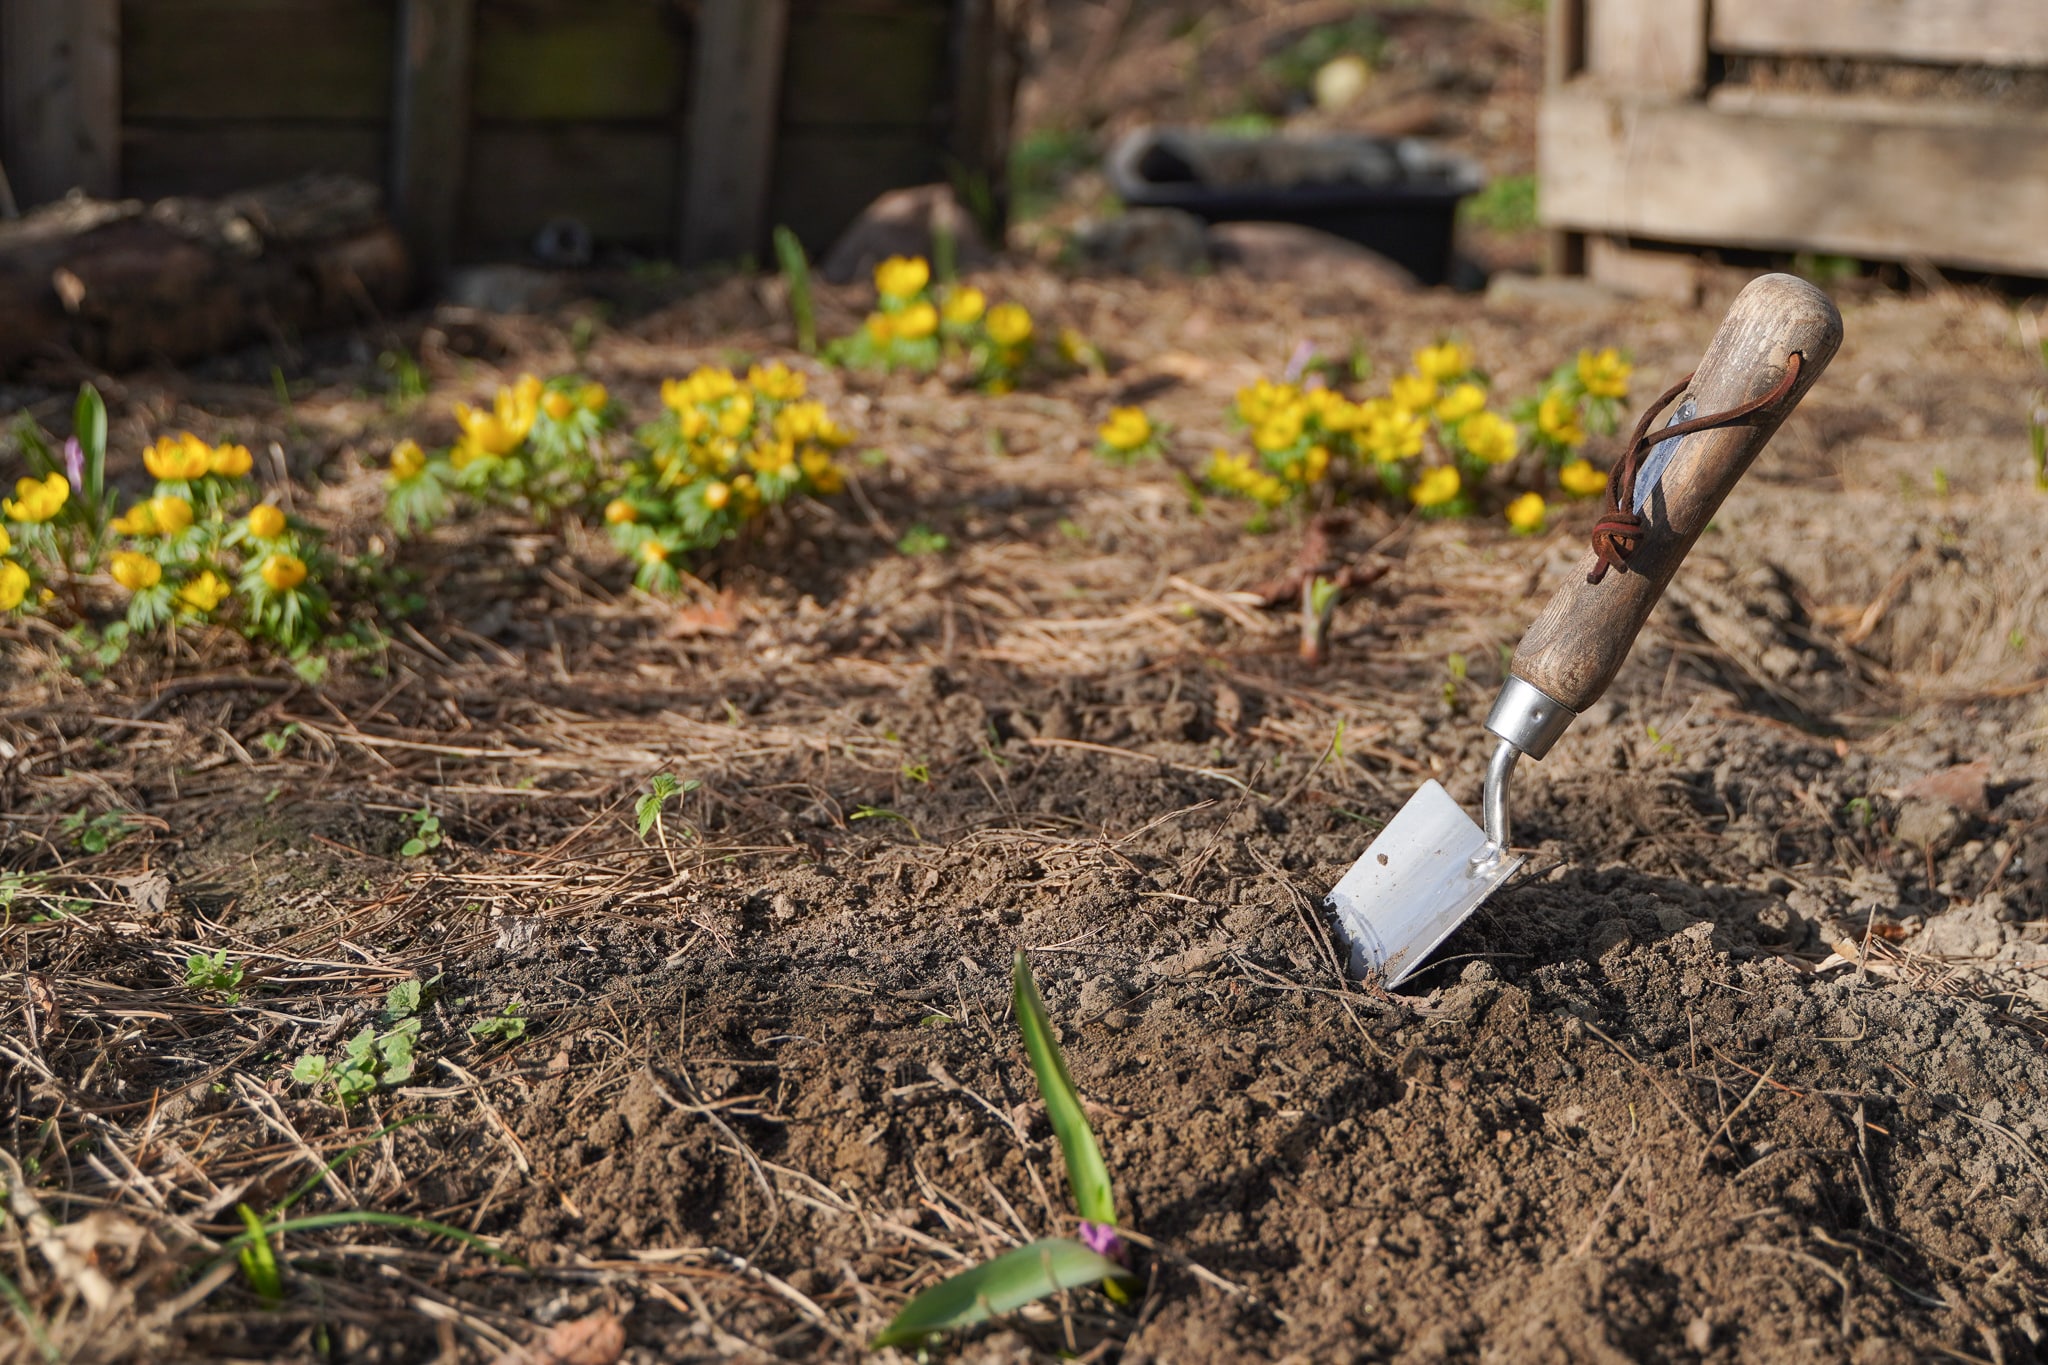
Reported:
(663, 127)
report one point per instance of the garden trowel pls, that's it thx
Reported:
(1432, 865)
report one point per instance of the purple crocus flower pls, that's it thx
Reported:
(74, 464)
(1101, 1239)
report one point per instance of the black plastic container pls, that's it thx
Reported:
(1398, 197)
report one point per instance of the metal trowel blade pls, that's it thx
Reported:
(1428, 869)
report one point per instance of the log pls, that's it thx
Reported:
(119, 284)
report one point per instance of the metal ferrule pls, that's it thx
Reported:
(1526, 718)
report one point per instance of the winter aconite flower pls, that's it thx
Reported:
(178, 459)
(1580, 478)
(1460, 402)
(1557, 419)
(503, 429)
(1525, 513)
(37, 500)
(171, 515)
(717, 495)
(283, 572)
(1413, 392)
(1443, 362)
(229, 461)
(1436, 487)
(1009, 324)
(917, 322)
(1488, 436)
(203, 593)
(408, 461)
(1126, 430)
(266, 522)
(135, 572)
(13, 584)
(1603, 373)
(557, 405)
(964, 306)
(619, 512)
(776, 381)
(902, 277)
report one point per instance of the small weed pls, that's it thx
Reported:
(1940, 482)
(408, 380)
(506, 1026)
(426, 833)
(98, 833)
(1505, 205)
(796, 269)
(274, 742)
(370, 1059)
(884, 813)
(917, 772)
(1458, 669)
(214, 974)
(1859, 811)
(661, 789)
(1663, 745)
(923, 540)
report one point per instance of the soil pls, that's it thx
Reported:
(1747, 1064)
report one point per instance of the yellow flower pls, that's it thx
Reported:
(1126, 429)
(1557, 417)
(1579, 477)
(408, 461)
(37, 500)
(6, 544)
(204, 593)
(1436, 487)
(265, 522)
(1009, 324)
(283, 572)
(902, 277)
(1414, 392)
(707, 384)
(1443, 362)
(13, 584)
(965, 305)
(139, 520)
(557, 405)
(178, 459)
(1525, 513)
(593, 397)
(1393, 433)
(229, 461)
(777, 382)
(1314, 465)
(809, 422)
(825, 476)
(1257, 402)
(717, 494)
(917, 322)
(738, 415)
(171, 515)
(135, 572)
(653, 552)
(1281, 430)
(1461, 402)
(619, 512)
(1489, 437)
(881, 327)
(772, 457)
(500, 431)
(1604, 373)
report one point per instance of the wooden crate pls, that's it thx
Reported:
(1901, 130)
(685, 127)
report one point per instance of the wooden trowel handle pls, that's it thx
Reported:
(1575, 648)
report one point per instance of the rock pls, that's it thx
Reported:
(905, 223)
(1970, 931)
(1144, 242)
(1931, 825)
(1966, 786)
(1288, 251)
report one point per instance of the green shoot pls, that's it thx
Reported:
(1087, 1176)
(506, 1026)
(884, 813)
(259, 1259)
(274, 742)
(917, 772)
(213, 973)
(923, 540)
(426, 833)
(796, 268)
(98, 833)
(661, 789)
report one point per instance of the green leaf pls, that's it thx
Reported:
(89, 423)
(1003, 1285)
(648, 809)
(259, 1261)
(1087, 1176)
(412, 848)
(402, 999)
(361, 1048)
(310, 1069)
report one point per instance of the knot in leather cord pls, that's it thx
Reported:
(1619, 532)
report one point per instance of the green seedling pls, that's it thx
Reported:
(917, 772)
(1459, 670)
(923, 540)
(426, 833)
(884, 813)
(98, 833)
(796, 269)
(373, 1057)
(214, 974)
(408, 380)
(662, 788)
(274, 742)
(1940, 482)
(506, 1026)
(1049, 1265)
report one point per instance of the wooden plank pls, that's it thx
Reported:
(730, 164)
(1648, 45)
(1673, 276)
(987, 50)
(1800, 175)
(221, 158)
(824, 177)
(579, 60)
(1964, 32)
(619, 182)
(849, 69)
(1564, 40)
(430, 128)
(252, 59)
(60, 97)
